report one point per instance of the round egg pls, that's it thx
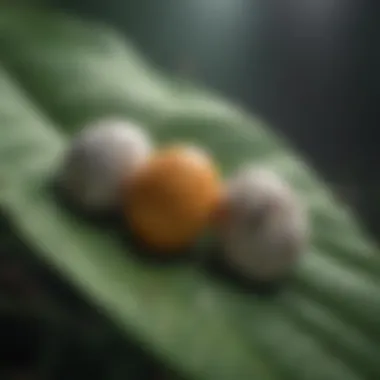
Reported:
(102, 157)
(172, 197)
(262, 225)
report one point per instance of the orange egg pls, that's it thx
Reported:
(172, 197)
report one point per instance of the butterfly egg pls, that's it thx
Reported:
(102, 157)
(262, 226)
(172, 197)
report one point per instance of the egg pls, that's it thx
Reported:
(262, 226)
(172, 197)
(101, 157)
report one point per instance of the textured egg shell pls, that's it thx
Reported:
(265, 226)
(100, 158)
(172, 197)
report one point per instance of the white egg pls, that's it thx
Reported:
(265, 227)
(100, 158)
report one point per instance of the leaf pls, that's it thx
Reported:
(59, 72)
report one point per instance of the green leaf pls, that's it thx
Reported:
(56, 74)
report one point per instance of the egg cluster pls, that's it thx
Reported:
(169, 195)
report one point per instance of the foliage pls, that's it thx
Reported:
(56, 74)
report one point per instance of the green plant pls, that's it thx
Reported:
(57, 73)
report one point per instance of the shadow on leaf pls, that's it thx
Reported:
(219, 269)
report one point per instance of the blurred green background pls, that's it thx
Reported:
(310, 69)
